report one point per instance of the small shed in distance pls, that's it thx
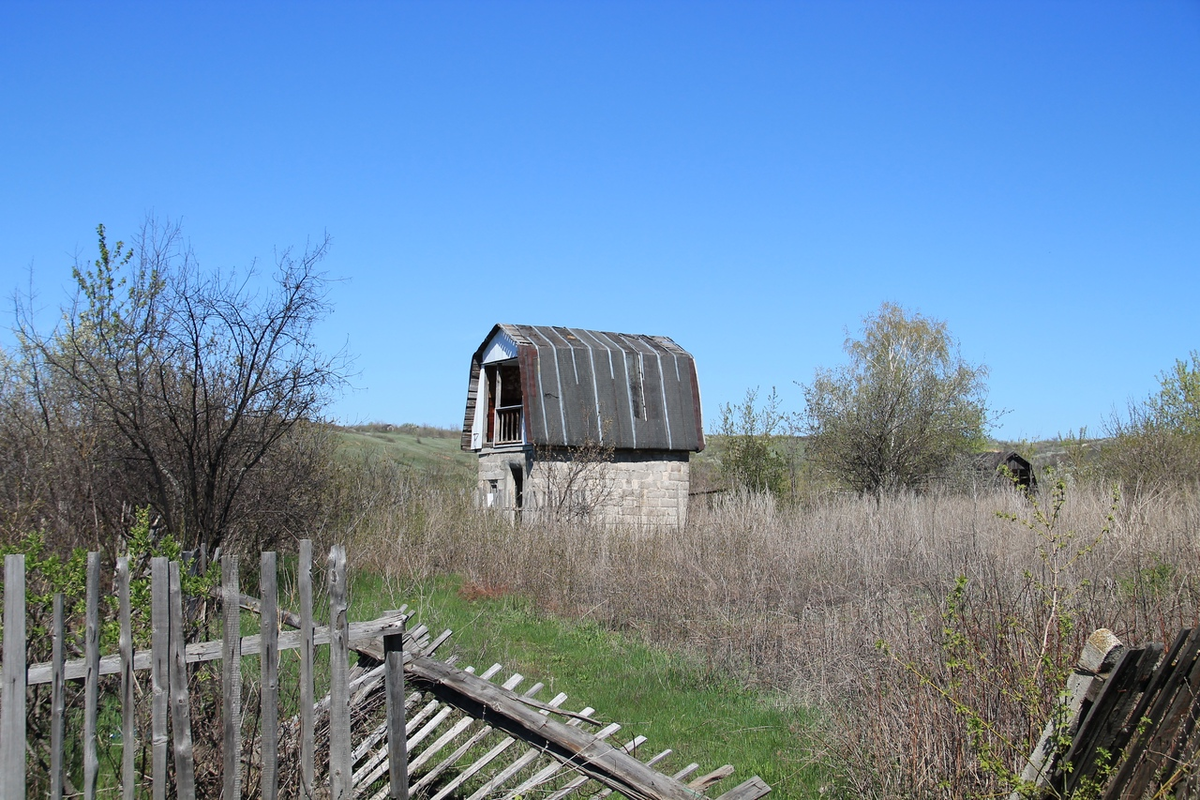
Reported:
(578, 423)
(1007, 467)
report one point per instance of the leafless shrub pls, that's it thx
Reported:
(571, 484)
(169, 386)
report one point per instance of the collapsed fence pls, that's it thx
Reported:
(1126, 724)
(337, 746)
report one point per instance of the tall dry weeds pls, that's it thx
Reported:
(799, 600)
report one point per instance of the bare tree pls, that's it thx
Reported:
(187, 383)
(575, 482)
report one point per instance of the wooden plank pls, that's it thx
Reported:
(1145, 752)
(362, 635)
(160, 623)
(91, 681)
(455, 730)
(1166, 729)
(489, 756)
(1099, 655)
(707, 780)
(231, 676)
(12, 696)
(688, 770)
(307, 726)
(269, 670)
(340, 766)
(426, 730)
(578, 782)
(57, 701)
(428, 778)
(751, 789)
(554, 767)
(600, 760)
(128, 701)
(393, 655)
(374, 768)
(181, 713)
(1106, 729)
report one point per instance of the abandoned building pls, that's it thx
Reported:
(579, 424)
(1006, 467)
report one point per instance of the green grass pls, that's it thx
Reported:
(672, 700)
(430, 450)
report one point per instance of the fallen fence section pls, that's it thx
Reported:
(458, 734)
(1132, 733)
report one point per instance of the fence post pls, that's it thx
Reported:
(341, 775)
(181, 712)
(91, 680)
(160, 642)
(231, 674)
(393, 657)
(269, 664)
(58, 685)
(128, 710)
(306, 670)
(12, 712)
(1098, 657)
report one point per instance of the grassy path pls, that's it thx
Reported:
(675, 702)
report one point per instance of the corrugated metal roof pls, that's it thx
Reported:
(626, 391)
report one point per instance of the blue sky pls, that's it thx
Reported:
(750, 179)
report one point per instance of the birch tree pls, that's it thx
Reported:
(899, 411)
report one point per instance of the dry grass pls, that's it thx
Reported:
(799, 599)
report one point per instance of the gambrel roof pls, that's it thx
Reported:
(620, 390)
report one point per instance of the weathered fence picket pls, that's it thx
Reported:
(57, 702)
(231, 676)
(160, 620)
(12, 713)
(307, 745)
(340, 766)
(1133, 735)
(125, 645)
(91, 681)
(181, 714)
(269, 663)
(397, 744)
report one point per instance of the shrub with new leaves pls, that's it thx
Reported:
(1157, 442)
(898, 412)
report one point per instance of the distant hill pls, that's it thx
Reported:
(424, 449)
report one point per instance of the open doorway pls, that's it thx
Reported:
(518, 476)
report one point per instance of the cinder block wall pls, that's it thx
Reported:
(633, 487)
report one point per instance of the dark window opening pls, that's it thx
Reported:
(518, 475)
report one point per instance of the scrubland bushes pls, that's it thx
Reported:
(194, 392)
(933, 630)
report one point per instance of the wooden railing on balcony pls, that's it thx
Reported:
(508, 425)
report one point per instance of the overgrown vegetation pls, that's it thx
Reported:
(1156, 444)
(793, 599)
(752, 452)
(171, 407)
(173, 387)
(900, 410)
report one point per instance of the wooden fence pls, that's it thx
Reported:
(167, 662)
(1130, 715)
(477, 723)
